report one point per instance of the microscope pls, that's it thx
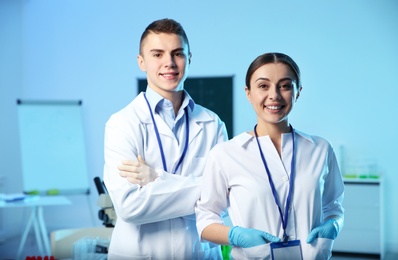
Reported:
(107, 212)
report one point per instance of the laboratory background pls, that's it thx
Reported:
(86, 50)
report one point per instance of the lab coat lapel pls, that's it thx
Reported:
(194, 131)
(163, 128)
(196, 119)
(145, 117)
(272, 157)
(274, 162)
(287, 153)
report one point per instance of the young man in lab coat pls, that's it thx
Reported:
(155, 150)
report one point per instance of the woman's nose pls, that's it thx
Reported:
(274, 93)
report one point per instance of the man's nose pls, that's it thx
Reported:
(170, 62)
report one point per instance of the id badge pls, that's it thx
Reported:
(286, 250)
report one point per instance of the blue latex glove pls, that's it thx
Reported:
(329, 229)
(248, 237)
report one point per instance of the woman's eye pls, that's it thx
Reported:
(263, 86)
(286, 86)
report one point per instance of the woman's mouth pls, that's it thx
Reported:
(273, 107)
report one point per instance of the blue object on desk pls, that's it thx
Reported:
(13, 197)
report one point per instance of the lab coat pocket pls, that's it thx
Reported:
(257, 252)
(320, 249)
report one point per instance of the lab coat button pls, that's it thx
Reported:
(285, 179)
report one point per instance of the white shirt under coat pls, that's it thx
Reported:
(236, 166)
(157, 221)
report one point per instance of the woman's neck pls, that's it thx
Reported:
(274, 131)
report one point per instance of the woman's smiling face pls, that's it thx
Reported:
(273, 92)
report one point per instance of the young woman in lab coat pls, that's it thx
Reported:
(155, 151)
(282, 188)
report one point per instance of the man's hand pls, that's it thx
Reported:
(137, 172)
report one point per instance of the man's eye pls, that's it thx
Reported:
(156, 55)
(179, 54)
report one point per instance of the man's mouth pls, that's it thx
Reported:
(169, 74)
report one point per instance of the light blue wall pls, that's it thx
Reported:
(347, 51)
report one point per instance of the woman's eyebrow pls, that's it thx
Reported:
(284, 79)
(262, 78)
(280, 80)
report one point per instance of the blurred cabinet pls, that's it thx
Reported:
(362, 231)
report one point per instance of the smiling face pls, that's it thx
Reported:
(165, 58)
(272, 93)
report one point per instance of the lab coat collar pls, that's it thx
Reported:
(154, 99)
(304, 135)
(245, 137)
(196, 116)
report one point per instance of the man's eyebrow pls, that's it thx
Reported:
(178, 49)
(161, 50)
(156, 50)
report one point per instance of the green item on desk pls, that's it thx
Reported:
(52, 192)
(350, 176)
(32, 192)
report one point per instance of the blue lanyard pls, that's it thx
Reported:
(289, 196)
(160, 141)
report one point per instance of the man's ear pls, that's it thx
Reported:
(141, 62)
(189, 58)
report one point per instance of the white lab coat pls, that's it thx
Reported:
(237, 165)
(158, 221)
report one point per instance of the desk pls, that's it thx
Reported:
(36, 203)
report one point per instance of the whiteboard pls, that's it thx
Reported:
(53, 151)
